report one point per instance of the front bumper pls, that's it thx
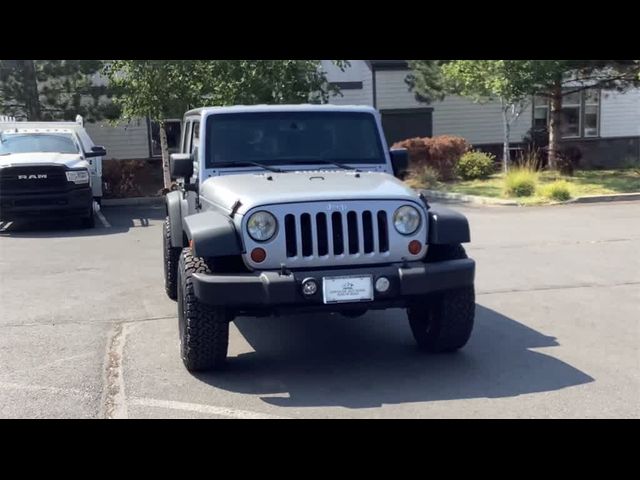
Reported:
(265, 290)
(74, 202)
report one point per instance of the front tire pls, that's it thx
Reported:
(204, 330)
(171, 259)
(90, 221)
(443, 322)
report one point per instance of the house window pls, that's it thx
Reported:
(173, 128)
(591, 113)
(580, 114)
(540, 113)
(570, 126)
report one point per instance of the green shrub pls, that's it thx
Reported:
(442, 153)
(559, 190)
(475, 164)
(426, 176)
(520, 182)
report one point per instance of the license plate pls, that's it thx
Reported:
(347, 289)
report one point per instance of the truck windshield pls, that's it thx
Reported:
(279, 138)
(37, 142)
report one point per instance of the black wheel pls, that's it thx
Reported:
(171, 259)
(90, 221)
(204, 330)
(443, 322)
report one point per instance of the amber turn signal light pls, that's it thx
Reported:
(258, 255)
(414, 247)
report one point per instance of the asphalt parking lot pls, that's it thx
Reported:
(86, 330)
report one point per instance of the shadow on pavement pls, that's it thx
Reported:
(320, 360)
(120, 219)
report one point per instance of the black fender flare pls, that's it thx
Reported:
(212, 234)
(447, 226)
(174, 212)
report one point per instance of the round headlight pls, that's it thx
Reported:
(406, 220)
(261, 226)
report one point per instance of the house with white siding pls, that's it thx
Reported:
(604, 125)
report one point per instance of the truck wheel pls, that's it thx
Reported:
(171, 259)
(204, 330)
(443, 322)
(90, 221)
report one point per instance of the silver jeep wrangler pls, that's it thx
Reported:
(284, 209)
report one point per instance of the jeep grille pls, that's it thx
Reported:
(331, 234)
(336, 233)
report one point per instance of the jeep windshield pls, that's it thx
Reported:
(37, 143)
(281, 138)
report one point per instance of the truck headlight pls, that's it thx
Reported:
(262, 226)
(406, 220)
(78, 176)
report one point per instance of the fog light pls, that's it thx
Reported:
(414, 247)
(258, 255)
(382, 284)
(309, 286)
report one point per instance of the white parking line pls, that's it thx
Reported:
(102, 218)
(200, 408)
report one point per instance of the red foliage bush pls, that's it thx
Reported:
(441, 153)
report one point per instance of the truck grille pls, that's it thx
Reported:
(39, 178)
(337, 233)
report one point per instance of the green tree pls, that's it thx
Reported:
(161, 89)
(508, 81)
(426, 80)
(54, 90)
(157, 89)
(515, 80)
(233, 82)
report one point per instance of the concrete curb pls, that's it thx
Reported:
(134, 201)
(617, 197)
(468, 198)
(458, 197)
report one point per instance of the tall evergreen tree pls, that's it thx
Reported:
(54, 90)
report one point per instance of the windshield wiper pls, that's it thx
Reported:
(245, 164)
(324, 162)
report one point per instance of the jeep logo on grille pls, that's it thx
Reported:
(339, 207)
(32, 176)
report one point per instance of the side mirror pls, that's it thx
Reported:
(181, 165)
(399, 162)
(96, 151)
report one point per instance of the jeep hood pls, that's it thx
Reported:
(70, 160)
(302, 186)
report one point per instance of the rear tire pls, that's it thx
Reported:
(443, 322)
(171, 259)
(204, 330)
